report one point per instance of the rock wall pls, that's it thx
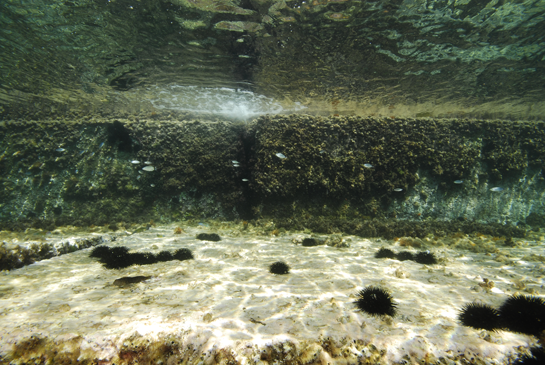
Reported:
(296, 169)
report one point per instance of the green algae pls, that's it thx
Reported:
(415, 168)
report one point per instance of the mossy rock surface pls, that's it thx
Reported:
(357, 166)
(94, 171)
(103, 171)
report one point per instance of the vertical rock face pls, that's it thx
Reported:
(59, 173)
(403, 168)
(298, 167)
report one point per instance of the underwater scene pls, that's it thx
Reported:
(266, 182)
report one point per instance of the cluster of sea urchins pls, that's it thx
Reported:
(120, 257)
(422, 257)
(376, 301)
(519, 313)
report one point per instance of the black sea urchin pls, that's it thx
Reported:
(100, 251)
(143, 258)
(480, 316)
(536, 357)
(183, 254)
(209, 237)
(425, 257)
(164, 256)
(117, 258)
(310, 242)
(376, 302)
(404, 256)
(385, 253)
(279, 268)
(523, 314)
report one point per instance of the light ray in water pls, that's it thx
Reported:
(236, 104)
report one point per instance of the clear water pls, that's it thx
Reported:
(405, 58)
(237, 60)
(233, 104)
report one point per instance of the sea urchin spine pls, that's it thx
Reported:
(385, 253)
(523, 314)
(280, 268)
(480, 316)
(183, 254)
(376, 302)
(425, 258)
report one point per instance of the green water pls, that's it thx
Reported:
(400, 58)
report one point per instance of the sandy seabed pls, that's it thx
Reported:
(226, 307)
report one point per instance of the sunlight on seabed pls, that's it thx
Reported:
(236, 104)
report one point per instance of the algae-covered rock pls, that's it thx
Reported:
(214, 6)
(239, 26)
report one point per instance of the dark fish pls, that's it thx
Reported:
(127, 280)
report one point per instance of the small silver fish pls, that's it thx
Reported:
(136, 162)
(236, 165)
(235, 162)
(152, 185)
(497, 189)
(148, 168)
(398, 190)
(280, 155)
(148, 162)
(458, 181)
(60, 149)
(245, 180)
(368, 165)
(100, 145)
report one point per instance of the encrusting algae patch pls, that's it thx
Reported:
(225, 306)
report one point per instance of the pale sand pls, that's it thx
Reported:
(217, 300)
